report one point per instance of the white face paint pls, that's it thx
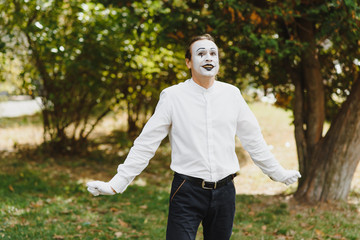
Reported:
(204, 59)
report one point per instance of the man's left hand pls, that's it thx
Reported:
(286, 176)
(291, 177)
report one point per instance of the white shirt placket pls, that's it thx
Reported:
(210, 134)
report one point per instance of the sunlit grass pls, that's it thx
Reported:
(34, 120)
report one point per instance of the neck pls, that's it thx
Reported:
(204, 82)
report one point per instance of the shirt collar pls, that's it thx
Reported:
(201, 89)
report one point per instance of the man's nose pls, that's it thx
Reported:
(208, 57)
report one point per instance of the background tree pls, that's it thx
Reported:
(70, 48)
(85, 59)
(9, 62)
(151, 63)
(327, 34)
(300, 45)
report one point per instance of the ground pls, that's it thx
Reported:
(44, 196)
(277, 130)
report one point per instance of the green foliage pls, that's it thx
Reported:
(150, 63)
(261, 46)
(337, 33)
(68, 53)
(87, 58)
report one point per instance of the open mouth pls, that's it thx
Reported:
(208, 67)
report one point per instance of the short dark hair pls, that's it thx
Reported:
(194, 39)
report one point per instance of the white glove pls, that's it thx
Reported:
(286, 176)
(99, 187)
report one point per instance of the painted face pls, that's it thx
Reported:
(204, 59)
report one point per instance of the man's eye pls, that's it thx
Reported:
(201, 54)
(213, 54)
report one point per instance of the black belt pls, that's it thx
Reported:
(207, 185)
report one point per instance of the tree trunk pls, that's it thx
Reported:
(336, 156)
(132, 119)
(327, 164)
(309, 105)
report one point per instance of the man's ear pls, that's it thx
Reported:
(188, 63)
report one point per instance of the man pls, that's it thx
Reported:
(202, 117)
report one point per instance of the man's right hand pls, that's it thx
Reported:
(97, 188)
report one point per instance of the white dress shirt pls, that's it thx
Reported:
(202, 125)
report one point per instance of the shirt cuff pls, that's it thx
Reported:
(119, 183)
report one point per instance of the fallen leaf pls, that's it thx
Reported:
(37, 204)
(264, 227)
(306, 226)
(11, 188)
(58, 237)
(66, 211)
(248, 226)
(291, 233)
(122, 223)
(303, 224)
(337, 236)
(126, 203)
(118, 234)
(112, 229)
(319, 232)
(114, 209)
(246, 233)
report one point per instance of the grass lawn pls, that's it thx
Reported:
(44, 197)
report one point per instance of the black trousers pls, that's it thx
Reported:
(190, 205)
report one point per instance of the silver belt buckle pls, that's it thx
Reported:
(203, 186)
